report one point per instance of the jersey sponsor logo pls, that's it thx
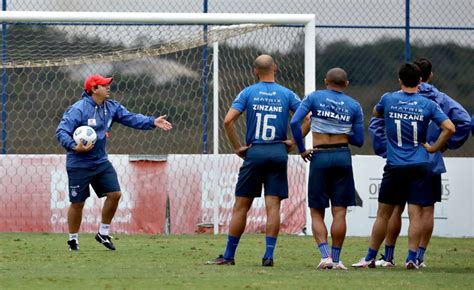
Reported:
(335, 102)
(414, 103)
(328, 114)
(267, 94)
(267, 108)
(406, 109)
(405, 116)
(266, 100)
(339, 110)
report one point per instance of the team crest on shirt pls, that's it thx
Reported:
(91, 122)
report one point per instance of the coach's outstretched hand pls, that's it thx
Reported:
(161, 123)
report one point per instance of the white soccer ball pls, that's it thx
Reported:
(85, 134)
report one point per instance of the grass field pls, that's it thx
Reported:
(42, 261)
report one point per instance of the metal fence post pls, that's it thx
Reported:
(204, 82)
(4, 82)
(407, 31)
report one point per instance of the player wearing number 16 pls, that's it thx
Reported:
(406, 177)
(268, 107)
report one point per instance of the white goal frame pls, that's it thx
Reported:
(308, 20)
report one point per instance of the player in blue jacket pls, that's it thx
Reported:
(336, 121)
(407, 174)
(89, 165)
(459, 116)
(265, 155)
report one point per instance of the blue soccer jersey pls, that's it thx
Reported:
(407, 116)
(332, 112)
(267, 105)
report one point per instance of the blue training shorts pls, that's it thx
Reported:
(437, 187)
(407, 184)
(264, 164)
(102, 177)
(331, 178)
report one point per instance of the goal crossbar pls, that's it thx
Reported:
(308, 20)
(154, 18)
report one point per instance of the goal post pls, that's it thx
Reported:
(31, 74)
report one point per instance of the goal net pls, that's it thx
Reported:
(161, 64)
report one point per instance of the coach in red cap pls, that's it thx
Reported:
(93, 81)
(89, 165)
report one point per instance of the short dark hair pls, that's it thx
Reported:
(425, 66)
(409, 74)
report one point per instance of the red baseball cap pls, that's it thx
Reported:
(94, 80)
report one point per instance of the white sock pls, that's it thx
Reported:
(74, 236)
(104, 229)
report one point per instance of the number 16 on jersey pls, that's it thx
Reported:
(263, 129)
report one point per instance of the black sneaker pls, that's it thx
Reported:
(73, 245)
(267, 262)
(221, 261)
(106, 241)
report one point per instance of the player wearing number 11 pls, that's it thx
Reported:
(406, 177)
(268, 107)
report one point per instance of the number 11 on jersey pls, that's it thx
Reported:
(414, 125)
